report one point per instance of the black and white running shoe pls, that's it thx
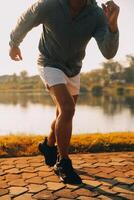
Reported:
(66, 172)
(50, 153)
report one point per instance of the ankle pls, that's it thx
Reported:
(50, 143)
(64, 157)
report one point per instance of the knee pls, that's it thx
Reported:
(67, 111)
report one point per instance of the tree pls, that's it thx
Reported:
(112, 70)
(130, 60)
(23, 75)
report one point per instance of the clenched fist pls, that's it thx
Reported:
(15, 53)
(111, 11)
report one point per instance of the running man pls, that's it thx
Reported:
(68, 26)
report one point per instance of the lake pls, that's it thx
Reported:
(33, 113)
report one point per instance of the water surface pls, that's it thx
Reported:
(33, 113)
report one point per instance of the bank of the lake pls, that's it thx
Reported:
(26, 145)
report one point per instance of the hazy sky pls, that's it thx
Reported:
(11, 10)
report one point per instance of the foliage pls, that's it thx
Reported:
(21, 83)
(120, 91)
(110, 74)
(24, 145)
(97, 90)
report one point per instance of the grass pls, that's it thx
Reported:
(26, 145)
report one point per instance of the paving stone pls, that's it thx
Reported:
(102, 197)
(127, 181)
(128, 163)
(106, 169)
(8, 162)
(86, 165)
(3, 192)
(112, 182)
(45, 174)
(106, 190)
(78, 162)
(22, 161)
(44, 195)
(130, 159)
(124, 186)
(28, 178)
(92, 183)
(103, 160)
(5, 197)
(33, 188)
(85, 192)
(54, 186)
(92, 170)
(6, 167)
(127, 196)
(52, 178)
(3, 184)
(21, 166)
(14, 191)
(12, 171)
(121, 190)
(69, 186)
(119, 174)
(17, 182)
(129, 173)
(36, 164)
(28, 175)
(122, 169)
(24, 197)
(2, 178)
(117, 163)
(37, 159)
(64, 198)
(66, 193)
(103, 182)
(10, 177)
(77, 167)
(34, 180)
(44, 168)
(2, 173)
(104, 175)
(29, 169)
(118, 159)
(102, 164)
(86, 198)
(87, 177)
(128, 167)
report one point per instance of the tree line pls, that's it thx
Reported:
(111, 73)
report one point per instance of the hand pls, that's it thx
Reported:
(15, 53)
(111, 11)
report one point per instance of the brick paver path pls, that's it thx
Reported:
(105, 176)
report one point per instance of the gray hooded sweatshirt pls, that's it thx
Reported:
(63, 40)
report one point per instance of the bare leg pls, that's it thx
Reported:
(51, 138)
(63, 123)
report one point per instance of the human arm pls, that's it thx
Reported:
(29, 19)
(107, 33)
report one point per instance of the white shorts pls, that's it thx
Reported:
(53, 76)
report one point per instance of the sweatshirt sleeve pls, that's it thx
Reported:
(107, 41)
(29, 19)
